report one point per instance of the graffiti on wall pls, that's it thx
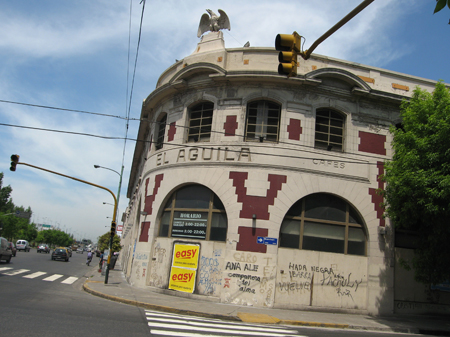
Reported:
(300, 278)
(210, 278)
(159, 255)
(251, 275)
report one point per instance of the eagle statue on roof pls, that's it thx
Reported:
(213, 22)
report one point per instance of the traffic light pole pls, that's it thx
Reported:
(113, 222)
(306, 54)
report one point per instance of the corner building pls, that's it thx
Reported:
(270, 183)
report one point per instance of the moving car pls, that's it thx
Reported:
(80, 250)
(5, 250)
(43, 249)
(13, 248)
(23, 245)
(60, 253)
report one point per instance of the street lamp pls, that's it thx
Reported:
(116, 211)
(107, 203)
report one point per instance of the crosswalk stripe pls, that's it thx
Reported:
(70, 280)
(5, 268)
(221, 324)
(182, 334)
(53, 277)
(12, 272)
(204, 329)
(16, 272)
(190, 326)
(36, 274)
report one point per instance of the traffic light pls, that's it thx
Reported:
(14, 161)
(289, 47)
(113, 228)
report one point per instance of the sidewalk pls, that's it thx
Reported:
(151, 298)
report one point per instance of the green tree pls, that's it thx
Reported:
(417, 192)
(103, 243)
(54, 237)
(5, 200)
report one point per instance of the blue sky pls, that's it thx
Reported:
(74, 55)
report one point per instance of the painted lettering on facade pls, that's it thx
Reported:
(204, 154)
(329, 163)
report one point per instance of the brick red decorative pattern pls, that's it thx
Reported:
(150, 198)
(376, 198)
(230, 126)
(145, 226)
(172, 132)
(294, 129)
(255, 204)
(247, 239)
(372, 143)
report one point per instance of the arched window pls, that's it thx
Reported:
(160, 132)
(200, 122)
(329, 130)
(263, 121)
(194, 212)
(325, 223)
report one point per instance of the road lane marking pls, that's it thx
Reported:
(36, 274)
(53, 277)
(70, 280)
(5, 268)
(16, 272)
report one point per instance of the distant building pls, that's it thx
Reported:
(260, 190)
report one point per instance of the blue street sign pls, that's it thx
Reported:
(267, 241)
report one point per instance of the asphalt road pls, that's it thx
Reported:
(33, 306)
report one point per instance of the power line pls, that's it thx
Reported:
(62, 109)
(60, 131)
(196, 146)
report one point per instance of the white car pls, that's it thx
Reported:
(80, 250)
(23, 245)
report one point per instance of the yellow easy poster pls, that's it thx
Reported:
(182, 279)
(185, 256)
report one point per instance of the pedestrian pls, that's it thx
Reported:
(89, 258)
(100, 264)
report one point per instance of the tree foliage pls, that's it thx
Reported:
(103, 243)
(54, 237)
(440, 4)
(417, 192)
(13, 227)
(5, 200)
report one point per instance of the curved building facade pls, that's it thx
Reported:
(250, 188)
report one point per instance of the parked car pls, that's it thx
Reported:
(60, 253)
(69, 250)
(80, 250)
(13, 248)
(23, 245)
(5, 250)
(43, 249)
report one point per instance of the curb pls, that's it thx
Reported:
(155, 306)
(316, 324)
(242, 317)
(254, 318)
